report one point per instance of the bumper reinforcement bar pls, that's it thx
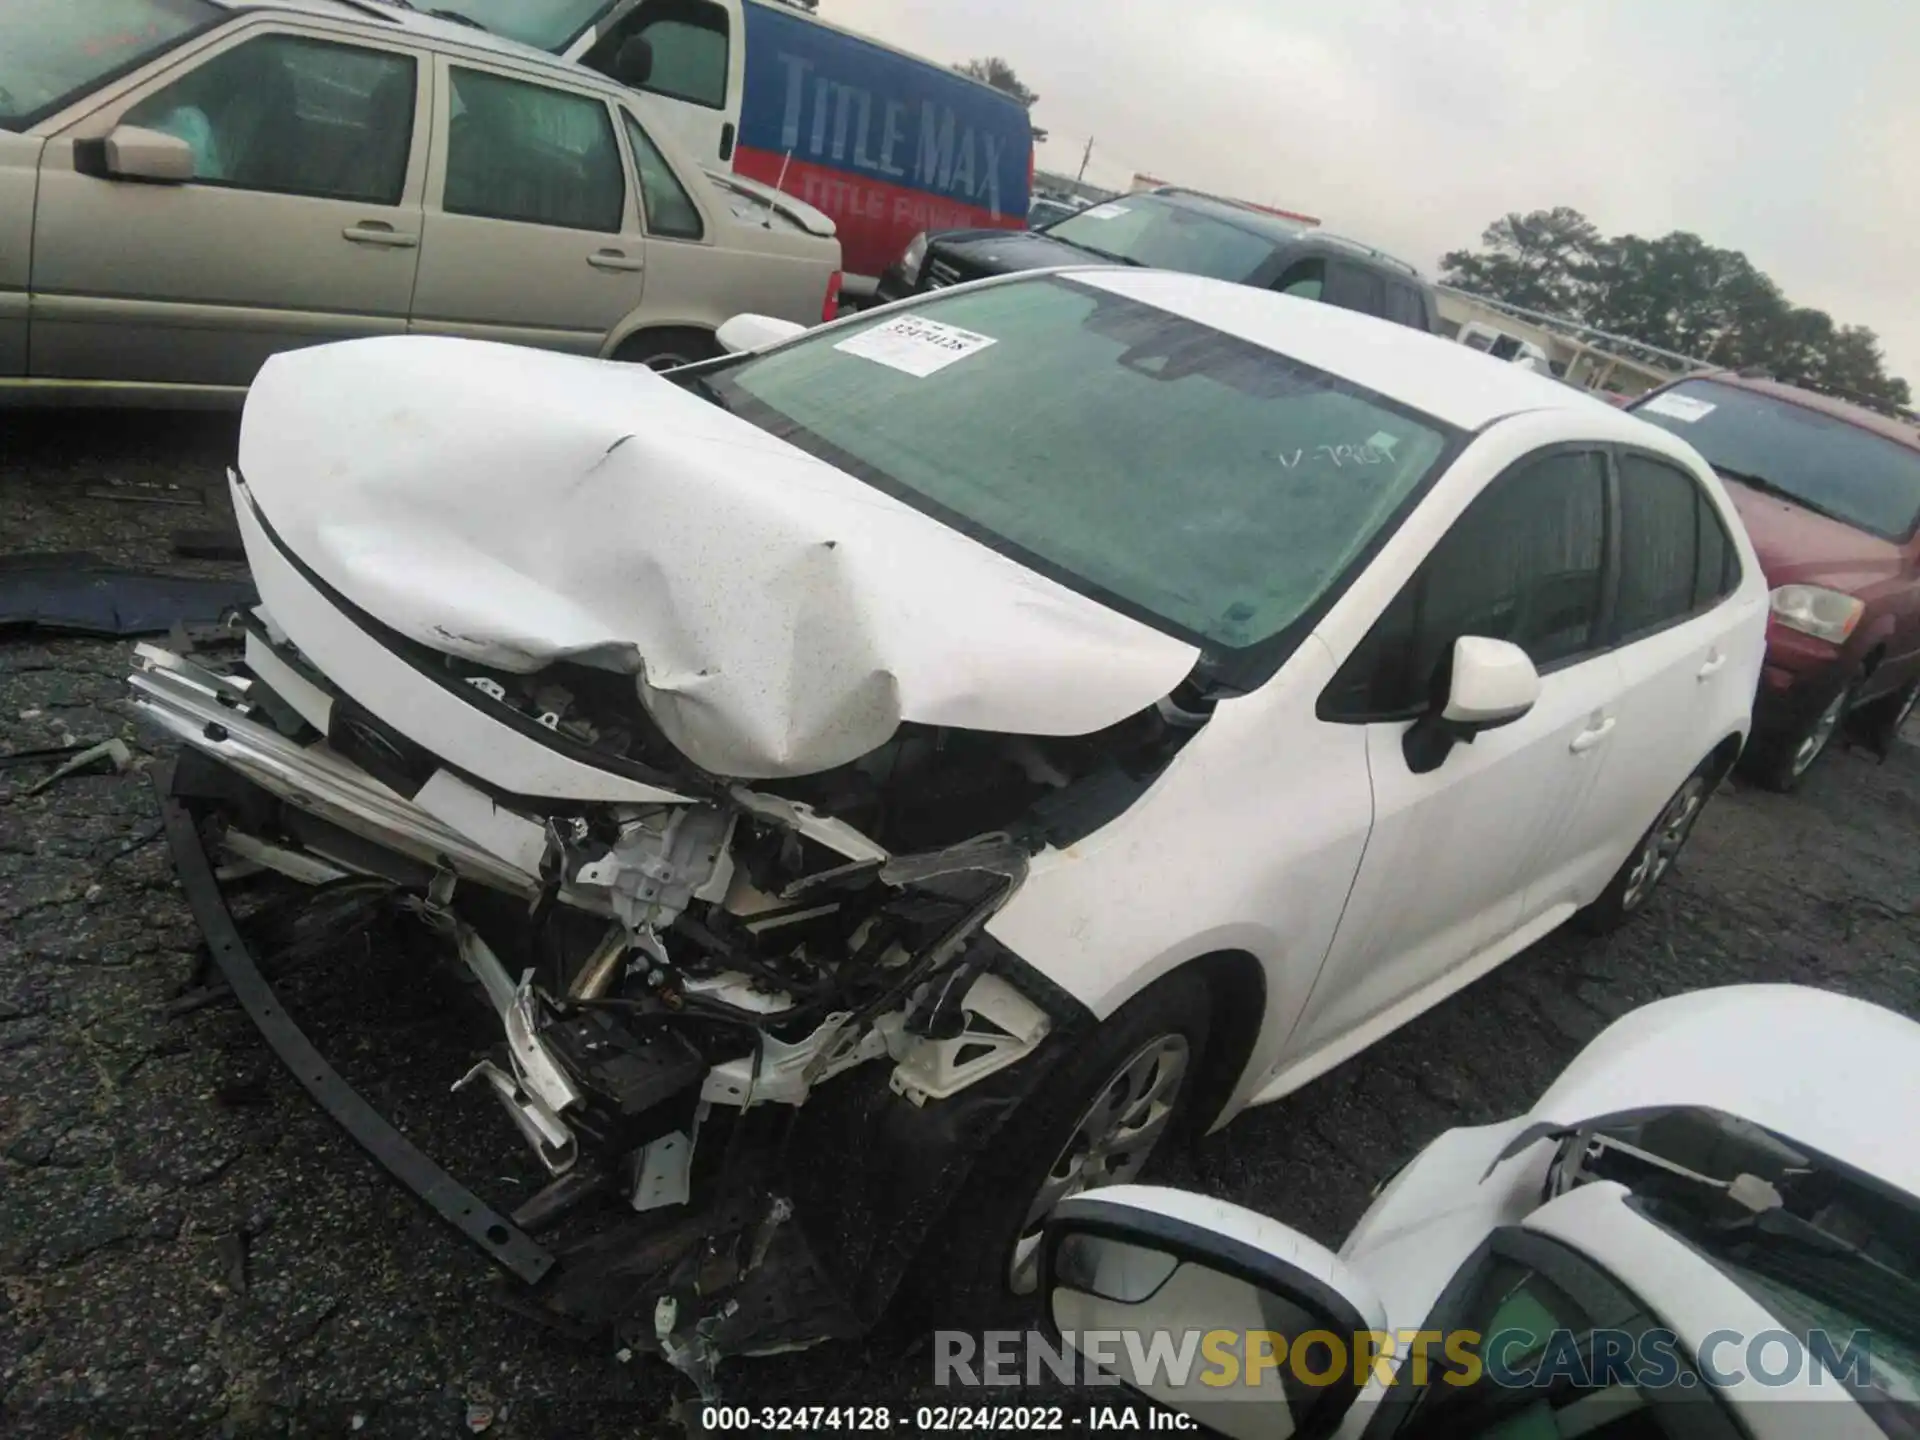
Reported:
(493, 1232)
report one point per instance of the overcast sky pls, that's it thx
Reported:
(1785, 128)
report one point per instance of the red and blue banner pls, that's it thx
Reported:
(885, 144)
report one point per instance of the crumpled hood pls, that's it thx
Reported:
(515, 508)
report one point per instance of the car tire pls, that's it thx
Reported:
(1653, 854)
(966, 1275)
(1881, 721)
(664, 349)
(1781, 761)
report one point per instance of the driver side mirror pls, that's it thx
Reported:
(1247, 1326)
(1482, 685)
(633, 62)
(132, 152)
(755, 332)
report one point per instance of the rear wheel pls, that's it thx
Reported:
(666, 349)
(1652, 859)
(1098, 1119)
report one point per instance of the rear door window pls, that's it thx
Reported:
(1675, 556)
(1354, 287)
(519, 151)
(1405, 305)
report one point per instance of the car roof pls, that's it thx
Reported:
(1245, 217)
(1884, 425)
(1453, 383)
(391, 17)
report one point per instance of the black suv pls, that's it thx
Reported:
(1178, 230)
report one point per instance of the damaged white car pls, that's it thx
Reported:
(892, 780)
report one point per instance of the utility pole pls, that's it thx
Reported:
(1085, 156)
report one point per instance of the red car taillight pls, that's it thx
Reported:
(830, 307)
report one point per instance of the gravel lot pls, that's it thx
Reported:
(187, 1246)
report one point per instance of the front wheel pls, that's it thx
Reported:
(1782, 760)
(1883, 719)
(1097, 1119)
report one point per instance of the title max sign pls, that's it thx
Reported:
(853, 106)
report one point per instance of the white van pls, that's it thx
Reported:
(883, 142)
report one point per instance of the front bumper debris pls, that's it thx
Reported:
(486, 1227)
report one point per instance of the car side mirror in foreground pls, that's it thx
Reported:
(1249, 1327)
(1483, 685)
(755, 332)
(134, 153)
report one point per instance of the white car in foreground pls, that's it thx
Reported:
(1708, 1226)
(947, 750)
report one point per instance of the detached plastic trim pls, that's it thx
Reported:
(487, 1228)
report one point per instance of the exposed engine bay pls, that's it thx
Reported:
(710, 783)
(675, 980)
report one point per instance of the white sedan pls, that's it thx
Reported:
(1093, 701)
(1708, 1226)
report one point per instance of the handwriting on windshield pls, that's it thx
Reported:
(1340, 456)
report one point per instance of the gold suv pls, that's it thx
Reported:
(190, 186)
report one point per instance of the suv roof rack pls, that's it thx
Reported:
(1346, 242)
(1266, 212)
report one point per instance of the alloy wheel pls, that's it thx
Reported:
(1821, 734)
(1664, 842)
(1110, 1144)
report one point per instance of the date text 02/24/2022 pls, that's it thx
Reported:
(1100, 1418)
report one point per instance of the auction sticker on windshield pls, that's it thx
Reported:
(1677, 407)
(915, 346)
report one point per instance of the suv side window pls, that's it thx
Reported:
(1524, 563)
(1406, 305)
(520, 151)
(1675, 556)
(1355, 287)
(1305, 278)
(670, 211)
(293, 116)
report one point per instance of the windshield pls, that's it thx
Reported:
(1205, 485)
(1820, 460)
(1168, 235)
(54, 50)
(544, 24)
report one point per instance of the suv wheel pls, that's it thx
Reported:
(1781, 761)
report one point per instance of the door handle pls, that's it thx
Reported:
(378, 232)
(1592, 736)
(1715, 663)
(614, 260)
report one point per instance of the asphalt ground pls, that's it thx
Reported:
(188, 1247)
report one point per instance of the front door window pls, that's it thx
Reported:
(293, 116)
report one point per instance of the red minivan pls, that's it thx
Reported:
(1830, 493)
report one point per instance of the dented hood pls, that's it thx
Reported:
(779, 617)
